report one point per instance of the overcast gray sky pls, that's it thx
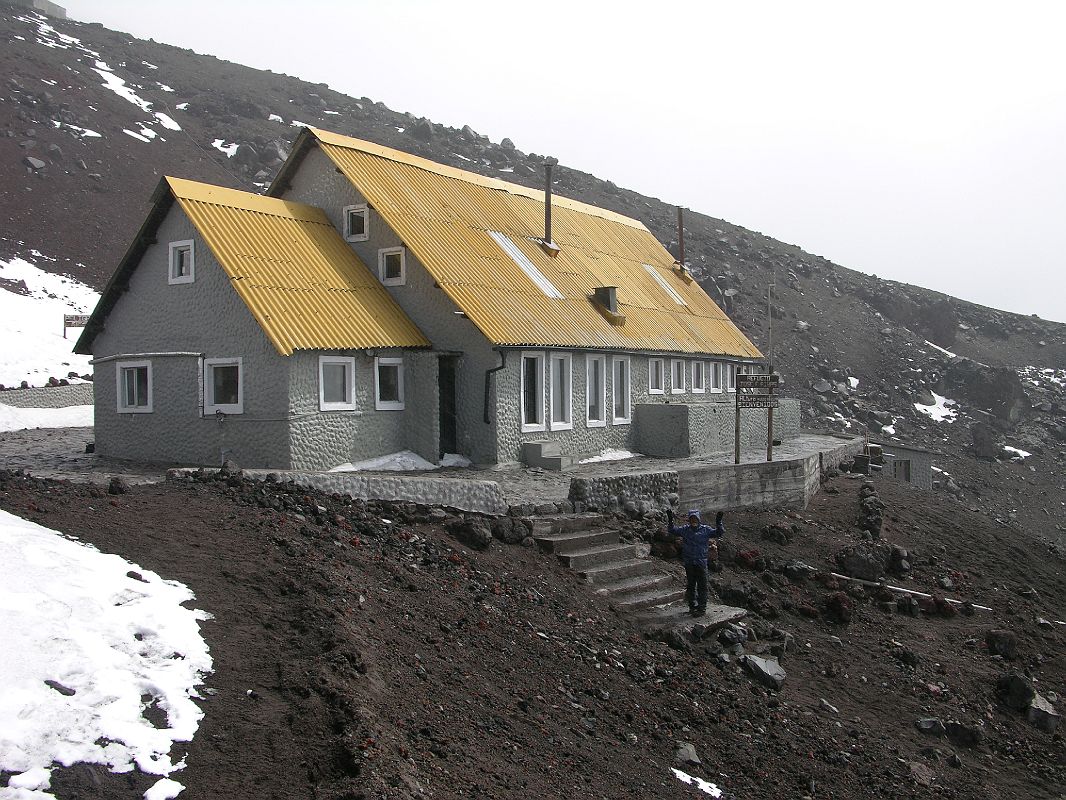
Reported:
(921, 141)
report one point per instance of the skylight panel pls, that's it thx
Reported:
(527, 266)
(666, 287)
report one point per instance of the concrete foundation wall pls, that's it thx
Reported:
(75, 394)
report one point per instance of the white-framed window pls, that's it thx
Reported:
(336, 383)
(356, 223)
(716, 377)
(182, 262)
(620, 401)
(560, 391)
(699, 377)
(731, 377)
(596, 391)
(532, 392)
(133, 387)
(677, 376)
(223, 386)
(388, 384)
(656, 375)
(392, 265)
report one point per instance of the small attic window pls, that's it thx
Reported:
(392, 266)
(182, 267)
(666, 287)
(356, 223)
(520, 258)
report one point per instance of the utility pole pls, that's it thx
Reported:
(770, 368)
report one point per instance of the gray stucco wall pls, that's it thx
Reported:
(710, 430)
(318, 183)
(206, 317)
(921, 463)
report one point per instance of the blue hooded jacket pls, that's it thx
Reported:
(694, 541)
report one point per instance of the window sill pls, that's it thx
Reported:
(359, 238)
(677, 391)
(139, 410)
(699, 391)
(562, 426)
(533, 428)
(389, 406)
(621, 421)
(596, 423)
(331, 408)
(210, 411)
(181, 279)
(655, 391)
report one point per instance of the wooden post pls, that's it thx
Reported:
(736, 437)
(770, 426)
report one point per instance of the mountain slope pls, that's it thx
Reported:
(91, 118)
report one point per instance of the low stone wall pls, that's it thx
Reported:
(483, 497)
(789, 482)
(75, 394)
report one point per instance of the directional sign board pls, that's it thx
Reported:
(745, 381)
(75, 320)
(758, 401)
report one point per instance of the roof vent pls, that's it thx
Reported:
(606, 300)
(607, 296)
(549, 246)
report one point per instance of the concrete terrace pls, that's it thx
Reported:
(60, 454)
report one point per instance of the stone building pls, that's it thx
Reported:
(44, 6)
(375, 301)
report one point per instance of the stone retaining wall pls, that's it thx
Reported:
(75, 394)
(483, 497)
(789, 482)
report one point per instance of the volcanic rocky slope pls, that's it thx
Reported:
(91, 118)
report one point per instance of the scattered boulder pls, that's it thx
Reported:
(767, 671)
(1015, 690)
(686, 754)
(987, 443)
(34, 164)
(964, 734)
(1002, 643)
(866, 561)
(118, 485)
(474, 532)
(839, 607)
(1042, 714)
(931, 726)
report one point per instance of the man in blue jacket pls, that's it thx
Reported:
(695, 539)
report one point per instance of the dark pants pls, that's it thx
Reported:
(696, 590)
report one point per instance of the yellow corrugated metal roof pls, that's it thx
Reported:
(302, 282)
(444, 216)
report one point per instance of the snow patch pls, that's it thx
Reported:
(609, 454)
(222, 147)
(455, 460)
(704, 786)
(81, 133)
(13, 418)
(138, 136)
(297, 124)
(853, 383)
(50, 83)
(275, 118)
(181, 106)
(75, 617)
(31, 324)
(394, 462)
(943, 410)
(114, 83)
(948, 353)
(1019, 455)
(167, 122)
(164, 88)
(889, 429)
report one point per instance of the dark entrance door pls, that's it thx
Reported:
(446, 366)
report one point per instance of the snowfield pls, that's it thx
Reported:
(31, 324)
(17, 419)
(86, 634)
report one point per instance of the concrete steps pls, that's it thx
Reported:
(637, 587)
(582, 543)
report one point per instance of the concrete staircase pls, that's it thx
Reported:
(634, 585)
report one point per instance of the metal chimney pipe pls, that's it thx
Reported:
(681, 237)
(548, 164)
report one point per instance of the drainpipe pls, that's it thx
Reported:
(488, 380)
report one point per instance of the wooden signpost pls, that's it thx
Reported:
(74, 321)
(757, 391)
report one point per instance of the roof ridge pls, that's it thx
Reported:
(197, 191)
(456, 173)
